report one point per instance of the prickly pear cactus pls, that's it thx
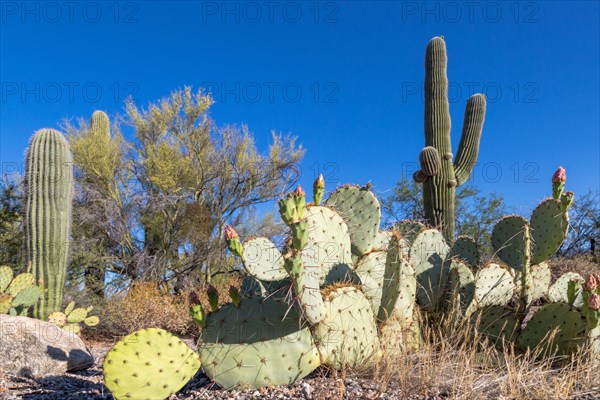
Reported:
(262, 342)
(498, 324)
(556, 329)
(149, 364)
(263, 260)
(361, 211)
(466, 250)
(328, 244)
(347, 337)
(559, 291)
(17, 294)
(510, 240)
(428, 253)
(493, 287)
(408, 229)
(549, 226)
(72, 317)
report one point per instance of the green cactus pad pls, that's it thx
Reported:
(549, 226)
(427, 255)
(263, 260)
(261, 343)
(370, 269)
(361, 211)
(71, 306)
(493, 287)
(5, 303)
(21, 281)
(462, 285)
(328, 244)
(568, 323)
(6, 276)
(27, 297)
(149, 364)
(510, 240)
(77, 315)
(558, 292)
(308, 292)
(382, 241)
(92, 321)
(408, 229)
(465, 249)
(405, 304)
(497, 324)
(347, 338)
(537, 282)
(392, 289)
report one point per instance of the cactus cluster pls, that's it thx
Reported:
(71, 318)
(341, 287)
(48, 188)
(17, 293)
(321, 300)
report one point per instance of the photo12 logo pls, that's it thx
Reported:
(470, 11)
(69, 92)
(271, 12)
(53, 12)
(273, 92)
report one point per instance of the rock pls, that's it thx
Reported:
(37, 348)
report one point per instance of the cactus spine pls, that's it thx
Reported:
(438, 174)
(49, 187)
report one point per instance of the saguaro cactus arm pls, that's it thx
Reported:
(468, 148)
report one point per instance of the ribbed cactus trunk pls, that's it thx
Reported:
(49, 187)
(438, 173)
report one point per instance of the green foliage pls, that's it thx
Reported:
(11, 222)
(179, 180)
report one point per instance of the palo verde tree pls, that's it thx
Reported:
(165, 182)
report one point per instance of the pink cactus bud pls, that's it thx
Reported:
(193, 298)
(591, 283)
(230, 233)
(319, 182)
(559, 176)
(299, 191)
(595, 302)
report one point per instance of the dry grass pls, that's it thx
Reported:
(453, 363)
(583, 264)
(148, 304)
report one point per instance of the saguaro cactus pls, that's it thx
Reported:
(438, 173)
(49, 187)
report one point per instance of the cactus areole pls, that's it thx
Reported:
(439, 174)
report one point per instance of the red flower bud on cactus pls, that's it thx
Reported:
(299, 191)
(193, 298)
(230, 233)
(319, 182)
(213, 297)
(559, 176)
(595, 302)
(591, 283)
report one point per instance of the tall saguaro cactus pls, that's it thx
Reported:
(49, 187)
(439, 174)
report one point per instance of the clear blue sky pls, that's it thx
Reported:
(345, 77)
